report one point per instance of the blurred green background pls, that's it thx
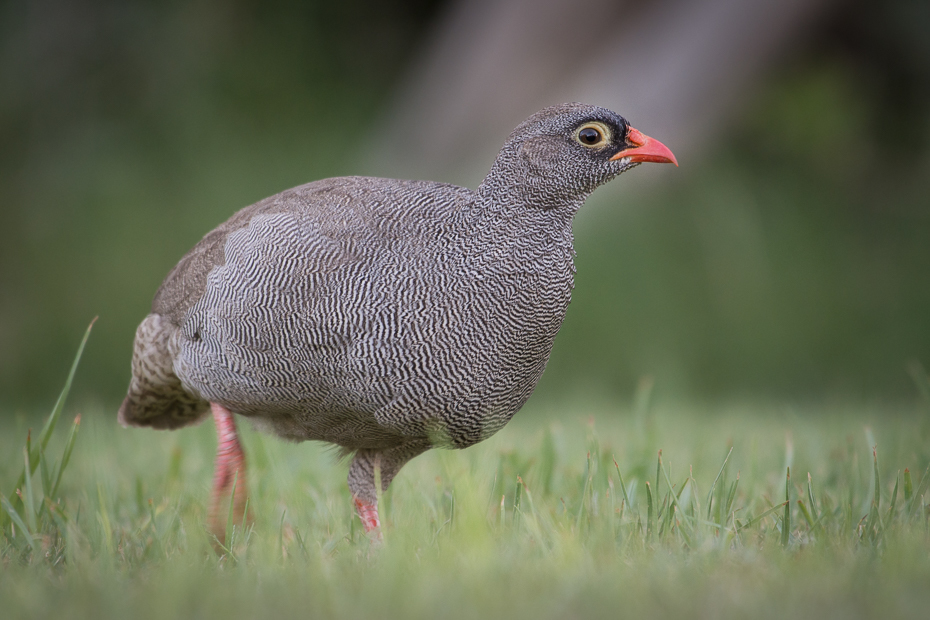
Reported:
(788, 257)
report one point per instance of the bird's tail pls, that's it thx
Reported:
(156, 397)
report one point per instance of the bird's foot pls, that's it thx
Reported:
(368, 513)
(229, 470)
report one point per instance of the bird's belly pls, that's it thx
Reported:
(360, 390)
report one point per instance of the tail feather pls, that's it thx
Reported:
(156, 397)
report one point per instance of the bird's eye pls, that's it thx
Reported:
(593, 134)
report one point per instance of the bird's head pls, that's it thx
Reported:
(561, 154)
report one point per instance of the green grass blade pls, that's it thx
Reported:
(588, 473)
(517, 492)
(104, 515)
(731, 496)
(44, 474)
(56, 514)
(534, 520)
(894, 498)
(18, 521)
(665, 514)
(626, 497)
(810, 497)
(710, 494)
(66, 456)
(686, 533)
(674, 497)
(918, 494)
(281, 536)
(786, 520)
(151, 507)
(300, 543)
(650, 513)
(244, 529)
(52, 420)
(658, 471)
(452, 507)
(872, 528)
(694, 506)
(806, 514)
(754, 520)
(224, 549)
(230, 513)
(46, 433)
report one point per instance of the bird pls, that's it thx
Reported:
(384, 316)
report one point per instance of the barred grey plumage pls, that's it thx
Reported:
(384, 316)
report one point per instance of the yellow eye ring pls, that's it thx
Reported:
(593, 135)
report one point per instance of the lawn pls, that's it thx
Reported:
(645, 509)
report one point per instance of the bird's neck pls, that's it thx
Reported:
(506, 236)
(523, 216)
(512, 185)
(503, 211)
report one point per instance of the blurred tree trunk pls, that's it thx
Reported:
(675, 68)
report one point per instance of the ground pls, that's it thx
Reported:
(534, 522)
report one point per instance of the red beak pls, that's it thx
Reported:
(645, 149)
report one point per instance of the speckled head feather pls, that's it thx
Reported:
(547, 166)
(380, 315)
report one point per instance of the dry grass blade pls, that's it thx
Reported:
(29, 496)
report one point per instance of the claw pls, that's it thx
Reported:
(368, 513)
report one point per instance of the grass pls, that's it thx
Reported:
(569, 511)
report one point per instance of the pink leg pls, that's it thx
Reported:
(368, 513)
(229, 466)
